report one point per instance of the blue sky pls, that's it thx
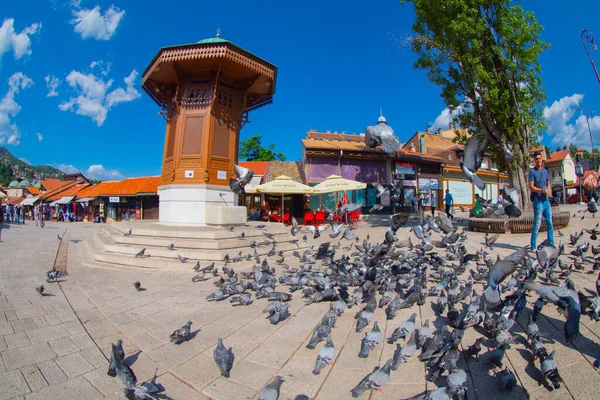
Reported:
(70, 87)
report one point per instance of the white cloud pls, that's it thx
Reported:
(20, 43)
(93, 100)
(66, 168)
(40, 137)
(92, 23)
(52, 83)
(99, 172)
(104, 67)
(567, 124)
(9, 133)
(443, 120)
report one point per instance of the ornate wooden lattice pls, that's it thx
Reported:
(221, 138)
(197, 95)
(171, 138)
(192, 135)
(225, 97)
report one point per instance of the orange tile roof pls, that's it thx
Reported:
(57, 190)
(14, 200)
(71, 191)
(33, 190)
(539, 148)
(455, 146)
(51, 184)
(131, 186)
(102, 188)
(259, 167)
(334, 136)
(557, 156)
(152, 186)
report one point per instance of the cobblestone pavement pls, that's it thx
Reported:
(56, 346)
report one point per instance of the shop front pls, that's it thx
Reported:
(122, 208)
(406, 182)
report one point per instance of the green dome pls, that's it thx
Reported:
(24, 183)
(213, 40)
(38, 185)
(14, 184)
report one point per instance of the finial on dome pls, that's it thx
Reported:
(218, 32)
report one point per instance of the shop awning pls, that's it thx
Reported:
(255, 181)
(62, 200)
(29, 201)
(84, 200)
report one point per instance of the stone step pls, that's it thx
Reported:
(224, 243)
(162, 253)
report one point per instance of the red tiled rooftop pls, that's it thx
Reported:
(71, 191)
(259, 167)
(557, 156)
(131, 186)
(33, 190)
(51, 184)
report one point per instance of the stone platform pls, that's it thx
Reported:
(110, 248)
(522, 224)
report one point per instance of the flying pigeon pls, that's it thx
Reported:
(123, 370)
(382, 135)
(472, 159)
(316, 231)
(112, 366)
(244, 175)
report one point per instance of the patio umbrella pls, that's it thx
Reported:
(284, 185)
(335, 183)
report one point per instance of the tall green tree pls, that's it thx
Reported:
(483, 54)
(252, 150)
(572, 150)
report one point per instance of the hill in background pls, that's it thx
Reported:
(12, 168)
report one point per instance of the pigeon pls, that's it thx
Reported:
(123, 371)
(371, 339)
(182, 334)
(244, 175)
(271, 390)
(472, 159)
(140, 253)
(379, 189)
(182, 258)
(475, 348)
(325, 357)
(241, 235)
(374, 381)
(137, 285)
(508, 380)
(498, 272)
(490, 240)
(171, 247)
(224, 358)
(382, 135)
(316, 231)
(128, 233)
(230, 228)
(40, 289)
(59, 238)
(112, 366)
(320, 333)
(550, 370)
(295, 228)
(142, 392)
(52, 275)
(404, 330)
(511, 200)
(567, 300)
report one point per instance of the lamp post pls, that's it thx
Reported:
(587, 36)
(579, 173)
(585, 114)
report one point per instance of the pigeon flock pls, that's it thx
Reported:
(393, 274)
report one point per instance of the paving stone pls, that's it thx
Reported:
(16, 340)
(146, 342)
(241, 345)
(52, 319)
(198, 371)
(29, 355)
(104, 383)
(120, 319)
(338, 384)
(10, 316)
(82, 340)
(52, 372)
(12, 383)
(74, 365)
(223, 389)
(22, 325)
(6, 328)
(270, 356)
(304, 381)
(138, 326)
(170, 355)
(46, 334)
(34, 377)
(176, 389)
(100, 328)
(73, 389)
(63, 346)
(252, 375)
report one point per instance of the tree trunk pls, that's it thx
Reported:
(519, 175)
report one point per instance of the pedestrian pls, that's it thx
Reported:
(449, 202)
(539, 184)
(433, 205)
(420, 207)
(18, 212)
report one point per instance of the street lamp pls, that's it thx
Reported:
(579, 173)
(587, 36)
(590, 132)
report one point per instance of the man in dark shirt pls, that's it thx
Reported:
(449, 201)
(539, 183)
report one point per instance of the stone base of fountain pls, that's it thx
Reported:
(522, 224)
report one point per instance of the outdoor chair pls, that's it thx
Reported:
(286, 219)
(320, 218)
(309, 218)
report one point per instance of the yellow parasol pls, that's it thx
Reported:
(335, 183)
(284, 185)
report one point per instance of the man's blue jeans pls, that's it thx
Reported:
(541, 208)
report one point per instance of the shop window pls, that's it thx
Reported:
(371, 197)
(359, 196)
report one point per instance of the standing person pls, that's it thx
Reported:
(18, 213)
(449, 202)
(420, 207)
(433, 205)
(539, 184)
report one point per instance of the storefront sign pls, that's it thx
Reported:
(222, 175)
(113, 199)
(461, 191)
(434, 184)
(424, 183)
(407, 183)
(404, 168)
